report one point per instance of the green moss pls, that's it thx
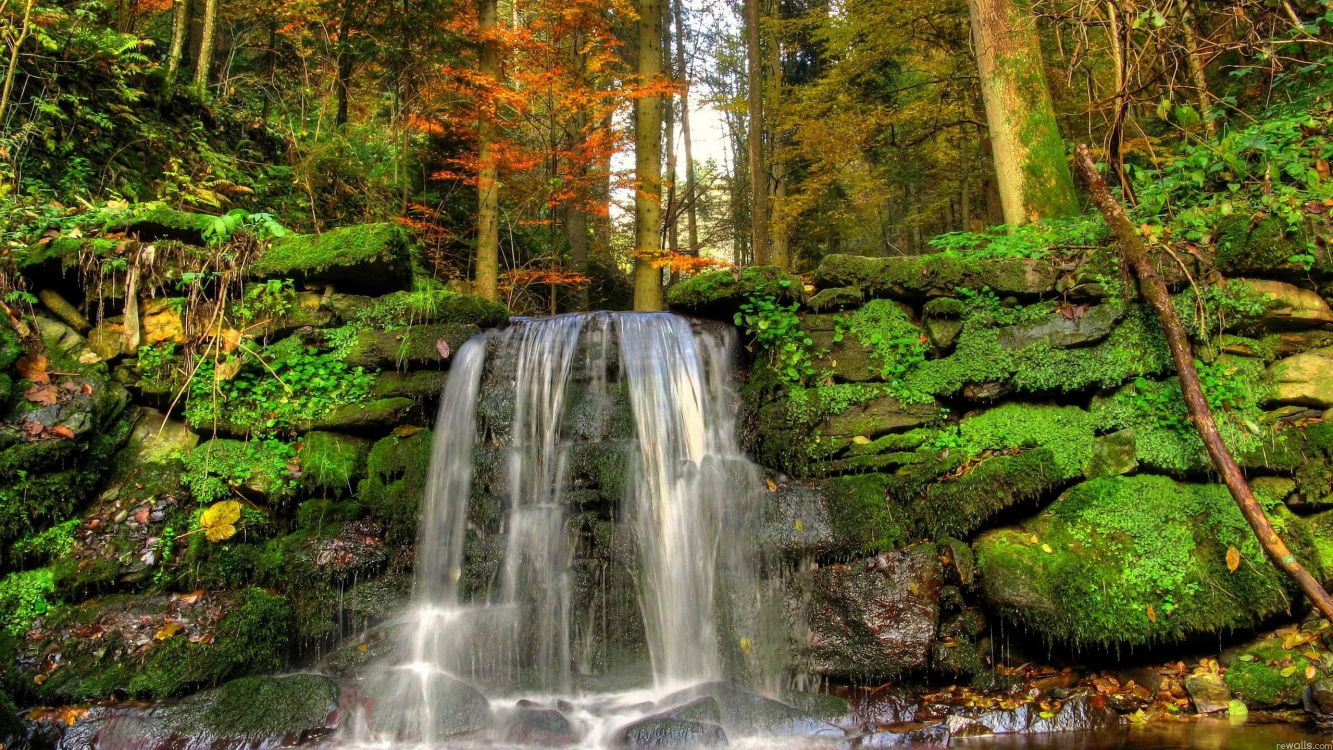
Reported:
(323, 514)
(333, 462)
(1065, 431)
(45, 546)
(24, 597)
(217, 469)
(403, 348)
(257, 708)
(396, 474)
(897, 345)
(366, 255)
(10, 348)
(722, 292)
(862, 517)
(401, 309)
(1247, 246)
(1265, 673)
(1135, 560)
(158, 220)
(936, 273)
(837, 298)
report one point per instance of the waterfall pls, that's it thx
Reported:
(691, 499)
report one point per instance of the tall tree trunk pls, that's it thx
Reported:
(691, 200)
(648, 163)
(343, 53)
(601, 220)
(180, 31)
(755, 132)
(1030, 165)
(778, 253)
(671, 211)
(204, 65)
(576, 216)
(487, 273)
(1154, 291)
(1189, 31)
(11, 72)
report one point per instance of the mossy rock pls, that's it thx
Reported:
(414, 384)
(220, 636)
(1268, 672)
(837, 298)
(396, 474)
(217, 468)
(1246, 246)
(157, 221)
(333, 462)
(400, 309)
(720, 293)
(377, 415)
(375, 257)
(414, 347)
(936, 274)
(864, 520)
(278, 710)
(1126, 561)
(10, 347)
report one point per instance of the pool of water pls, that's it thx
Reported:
(1208, 734)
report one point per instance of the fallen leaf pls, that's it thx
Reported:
(44, 394)
(861, 440)
(33, 367)
(219, 521)
(63, 431)
(1321, 166)
(770, 484)
(168, 630)
(1288, 671)
(1233, 559)
(191, 597)
(1310, 671)
(1047, 549)
(407, 430)
(1152, 613)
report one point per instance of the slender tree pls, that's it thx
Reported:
(1030, 164)
(180, 31)
(758, 166)
(682, 71)
(488, 189)
(204, 65)
(648, 161)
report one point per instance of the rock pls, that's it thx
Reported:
(161, 321)
(413, 347)
(942, 319)
(721, 293)
(155, 438)
(1317, 698)
(107, 339)
(416, 384)
(1208, 691)
(152, 645)
(400, 309)
(1077, 714)
(797, 522)
(1305, 379)
(938, 274)
(395, 483)
(666, 732)
(745, 713)
(216, 468)
(888, 706)
(333, 462)
(1289, 305)
(1272, 670)
(377, 415)
(835, 299)
(1065, 330)
(457, 709)
(373, 257)
(1112, 455)
(931, 735)
(875, 617)
(544, 727)
(61, 308)
(1097, 565)
(157, 221)
(880, 416)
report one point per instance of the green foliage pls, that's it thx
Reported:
(1267, 674)
(24, 597)
(261, 225)
(45, 546)
(296, 386)
(266, 300)
(776, 329)
(158, 367)
(895, 342)
(218, 469)
(1034, 240)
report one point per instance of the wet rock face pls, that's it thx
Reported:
(543, 727)
(1318, 701)
(745, 713)
(930, 736)
(668, 732)
(1077, 714)
(876, 616)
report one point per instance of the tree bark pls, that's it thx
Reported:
(1189, 32)
(755, 101)
(1030, 165)
(180, 31)
(204, 65)
(691, 213)
(343, 55)
(778, 253)
(671, 210)
(25, 28)
(648, 163)
(1154, 291)
(487, 274)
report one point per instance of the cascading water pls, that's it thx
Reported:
(691, 502)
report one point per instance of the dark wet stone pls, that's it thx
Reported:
(1318, 701)
(533, 725)
(797, 522)
(458, 709)
(745, 713)
(933, 735)
(661, 731)
(1078, 714)
(1064, 330)
(889, 706)
(1209, 692)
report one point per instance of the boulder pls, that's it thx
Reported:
(835, 299)
(1317, 699)
(1133, 560)
(875, 617)
(1078, 713)
(377, 415)
(1289, 306)
(657, 731)
(1208, 691)
(333, 462)
(416, 384)
(156, 438)
(545, 727)
(1305, 378)
(413, 347)
(374, 257)
(942, 319)
(1112, 455)
(61, 308)
(797, 522)
(721, 293)
(936, 274)
(456, 710)
(745, 713)
(399, 309)
(1275, 669)
(929, 736)
(1063, 328)
(162, 321)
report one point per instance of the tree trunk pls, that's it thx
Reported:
(1154, 291)
(204, 65)
(691, 214)
(487, 273)
(180, 31)
(1030, 165)
(778, 253)
(670, 212)
(1189, 32)
(343, 54)
(648, 163)
(11, 72)
(601, 220)
(758, 171)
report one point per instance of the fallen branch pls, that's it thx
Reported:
(1154, 291)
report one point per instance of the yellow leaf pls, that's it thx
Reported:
(1233, 559)
(1047, 549)
(219, 521)
(1310, 671)
(167, 631)
(770, 484)
(861, 440)
(1288, 671)
(362, 648)
(1152, 613)
(747, 645)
